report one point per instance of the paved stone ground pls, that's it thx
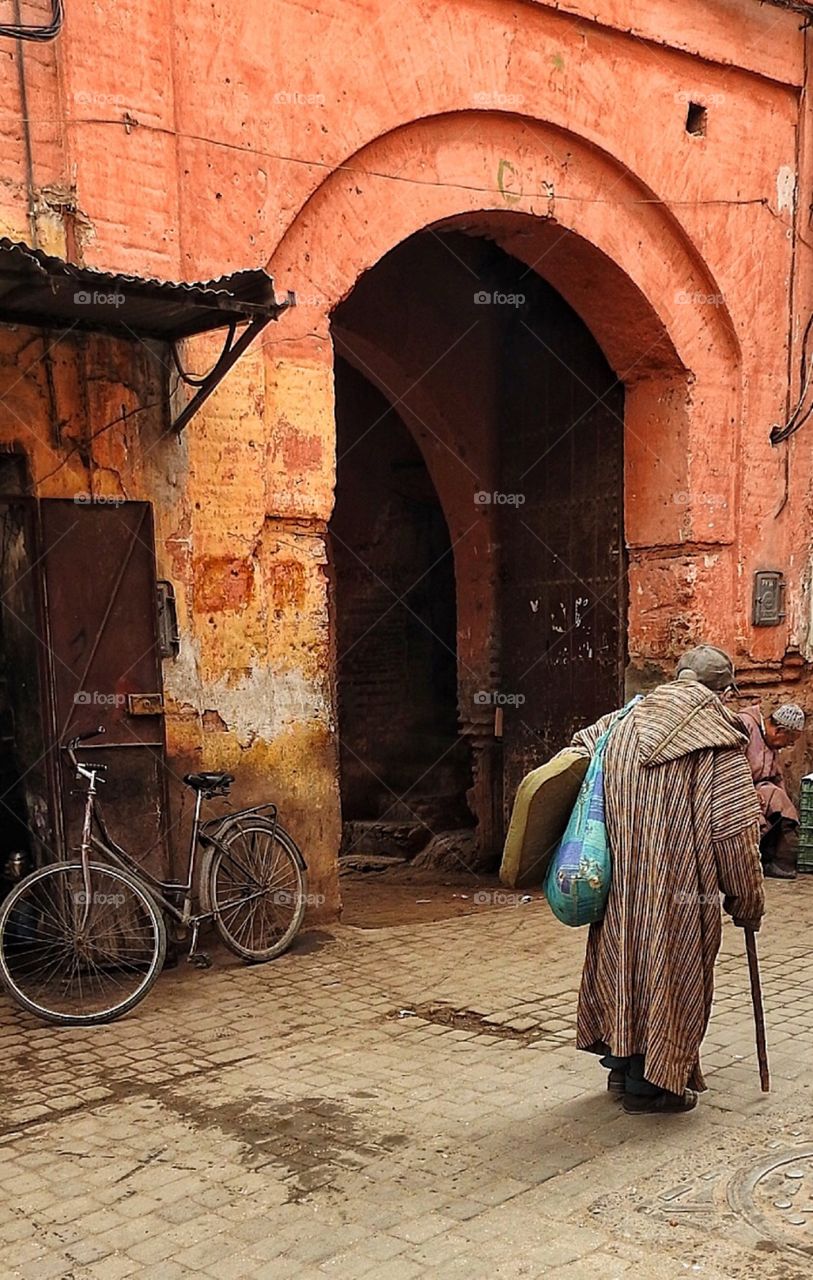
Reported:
(300, 1120)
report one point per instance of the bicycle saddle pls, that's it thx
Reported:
(208, 781)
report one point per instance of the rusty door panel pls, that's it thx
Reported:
(563, 563)
(98, 570)
(28, 765)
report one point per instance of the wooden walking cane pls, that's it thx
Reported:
(759, 1013)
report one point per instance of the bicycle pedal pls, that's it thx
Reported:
(200, 959)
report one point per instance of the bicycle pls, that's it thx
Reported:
(82, 942)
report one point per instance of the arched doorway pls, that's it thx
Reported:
(680, 366)
(404, 770)
(461, 371)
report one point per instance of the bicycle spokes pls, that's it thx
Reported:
(257, 889)
(78, 947)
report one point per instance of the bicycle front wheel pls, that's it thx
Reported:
(253, 883)
(80, 955)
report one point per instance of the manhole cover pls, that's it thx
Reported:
(776, 1197)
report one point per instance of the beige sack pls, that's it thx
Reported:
(542, 806)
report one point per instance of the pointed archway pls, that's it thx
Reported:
(638, 284)
(515, 445)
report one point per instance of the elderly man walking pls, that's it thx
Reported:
(683, 825)
(778, 817)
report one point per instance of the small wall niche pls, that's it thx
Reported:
(696, 120)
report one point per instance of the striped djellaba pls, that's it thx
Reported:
(683, 825)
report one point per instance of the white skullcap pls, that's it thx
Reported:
(789, 716)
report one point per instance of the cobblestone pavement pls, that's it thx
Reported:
(406, 1103)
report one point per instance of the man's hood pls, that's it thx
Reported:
(681, 717)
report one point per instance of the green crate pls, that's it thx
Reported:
(805, 860)
(805, 857)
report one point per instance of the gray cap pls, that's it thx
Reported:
(789, 716)
(708, 664)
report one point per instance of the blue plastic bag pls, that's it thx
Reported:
(580, 873)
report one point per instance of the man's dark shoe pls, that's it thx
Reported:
(616, 1081)
(660, 1103)
(776, 872)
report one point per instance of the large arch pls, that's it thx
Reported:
(639, 285)
(638, 282)
(551, 175)
(500, 397)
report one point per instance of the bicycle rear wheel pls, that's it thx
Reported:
(78, 963)
(255, 888)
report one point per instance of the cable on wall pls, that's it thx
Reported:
(800, 415)
(38, 34)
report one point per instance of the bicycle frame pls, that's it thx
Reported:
(112, 850)
(202, 833)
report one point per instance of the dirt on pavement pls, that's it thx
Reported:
(404, 895)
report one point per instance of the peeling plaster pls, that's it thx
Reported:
(260, 704)
(786, 189)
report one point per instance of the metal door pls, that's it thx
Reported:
(563, 563)
(26, 764)
(97, 562)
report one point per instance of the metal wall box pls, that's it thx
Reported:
(169, 636)
(769, 598)
(145, 704)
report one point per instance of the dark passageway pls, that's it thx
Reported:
(396, 621)
(507, 446)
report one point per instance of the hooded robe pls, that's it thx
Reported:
(683, 825)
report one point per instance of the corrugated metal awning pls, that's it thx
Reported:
(47, 292)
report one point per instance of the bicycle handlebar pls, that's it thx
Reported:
(85, 737)
(72, 743)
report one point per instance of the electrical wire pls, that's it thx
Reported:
(200, 380)
(38, 34)
(331, 167)
(797, 419)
